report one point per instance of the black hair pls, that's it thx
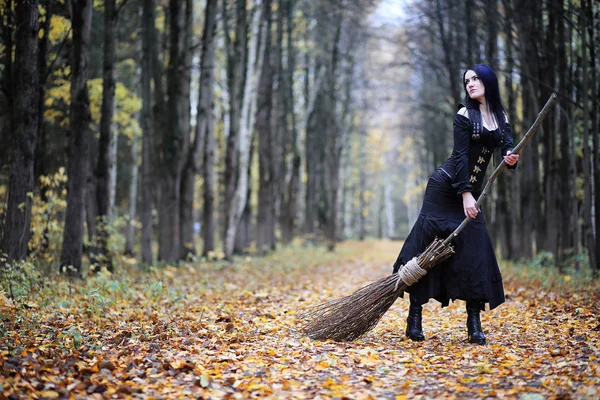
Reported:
(492, 93)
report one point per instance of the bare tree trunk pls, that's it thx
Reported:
(390, 219)
(80, 117)
(565, 230)
(334, 140)
(508, 203)
(147, 130)
(188, 175)
(41, 163)
(491, 44)
(236, 208)
(130, 232)
(265, 223)
(447, 46)
(243, 234)
(24, 136)
(289, 204)
(588, 224)
(362, 181)
(135, 145)
(595, 127)
(470, 31)
(106, 157)
(204, 127)
(236, 65)
(172, 142)
(208, 215)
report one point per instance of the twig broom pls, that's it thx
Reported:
(350, 317)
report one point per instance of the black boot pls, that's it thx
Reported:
(414, 327)
(476, 334)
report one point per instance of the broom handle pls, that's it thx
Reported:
(499, 168)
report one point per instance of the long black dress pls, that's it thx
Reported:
(472, 273)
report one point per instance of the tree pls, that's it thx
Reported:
(246, 122)
(265, 228)
(172, 143)
(79, 135)
(24, 121)
(106, 154)
(203, 145)
(148, 67)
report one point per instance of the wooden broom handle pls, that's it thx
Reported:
(499, 168)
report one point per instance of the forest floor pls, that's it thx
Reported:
(227, 330)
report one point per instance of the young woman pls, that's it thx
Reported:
(472, 274)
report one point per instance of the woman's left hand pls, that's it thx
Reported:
(511, 159)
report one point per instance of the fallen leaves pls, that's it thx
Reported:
(229, 332)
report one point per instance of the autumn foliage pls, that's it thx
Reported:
(227, 330)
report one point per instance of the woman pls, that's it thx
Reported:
(472, 273)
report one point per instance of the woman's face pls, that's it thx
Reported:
(474, 85)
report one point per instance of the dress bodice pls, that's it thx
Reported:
(472, 153)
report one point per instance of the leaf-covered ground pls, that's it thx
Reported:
(218, 330)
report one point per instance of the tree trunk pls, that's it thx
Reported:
(508, 201)
(42, 137)
(588, 224)
(147, 130)
(565, 230)
(106, 157)
(390, 219)
(470, 27)
(362, 181)
(236, 207)
(289, 204)
(595, 128)
(79, 139)
(133, 185)
(236, 65)
(188, 176)
(208, 214)
(243, 233)
(135, 144)
(448, 51)
(265, 223)
(491, 44)
(204, 127)
(24, 136)
(172, 142)
(334, 140)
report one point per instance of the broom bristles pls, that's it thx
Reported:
(348, 318)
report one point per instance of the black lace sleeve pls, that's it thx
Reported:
(461, 152)
(507, 142)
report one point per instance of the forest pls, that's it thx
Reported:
(225, 129)
(193, 158)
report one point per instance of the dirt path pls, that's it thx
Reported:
(229, 333)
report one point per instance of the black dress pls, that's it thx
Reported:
(472, 273)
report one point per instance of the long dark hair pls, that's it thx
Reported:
(492, 93)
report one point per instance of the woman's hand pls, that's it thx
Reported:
(511, 159)
(469, 205)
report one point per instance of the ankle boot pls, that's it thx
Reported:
(476, 334)
(414, 327)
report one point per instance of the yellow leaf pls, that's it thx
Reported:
(177, 364)
(204, 380)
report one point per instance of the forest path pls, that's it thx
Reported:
(227, 331)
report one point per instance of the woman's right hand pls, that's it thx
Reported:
(469, 205)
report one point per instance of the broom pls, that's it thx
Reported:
(350, 317)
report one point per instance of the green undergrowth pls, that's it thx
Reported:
(572, 278)
(26, 287)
